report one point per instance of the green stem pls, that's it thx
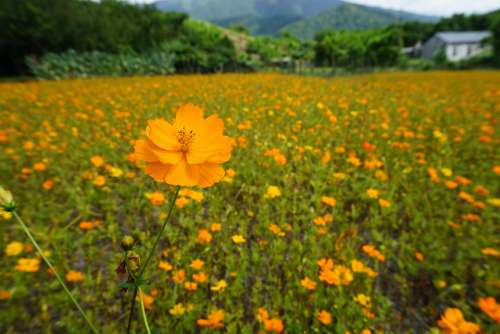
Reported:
(151, 252)
(70, 295)
(148, 259)
(143, 312)
(132, 307)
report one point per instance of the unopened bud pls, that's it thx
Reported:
(128, 243)
(6, 200)
(134, 262)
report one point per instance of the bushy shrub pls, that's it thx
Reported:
(72, 64)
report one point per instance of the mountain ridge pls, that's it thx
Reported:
(271, 17)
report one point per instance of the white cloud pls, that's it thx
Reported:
(429, 7)
(436, 7)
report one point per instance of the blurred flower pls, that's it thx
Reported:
(197, 264)
(238, 239)
(156, 198)
(490, 306)
(308, 284)
(453, 322)
(28, 265)
(215, 319)
(372, 193)
(204, 237)
(97, 161)
(219, 286)
(74, 276)
(178, 309)
(14, 248)
(328, 200)
(325, 317)
(272, 192)
(165, 266)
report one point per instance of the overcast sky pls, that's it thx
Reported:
(430, 7)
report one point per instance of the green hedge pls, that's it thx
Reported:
(72, 64)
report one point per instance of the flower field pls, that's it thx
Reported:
(361, 204)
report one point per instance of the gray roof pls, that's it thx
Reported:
(463, 36)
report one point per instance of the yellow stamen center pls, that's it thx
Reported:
(185, 138)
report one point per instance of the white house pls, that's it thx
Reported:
(457, 45)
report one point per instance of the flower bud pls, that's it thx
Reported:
(128, 243)
(6, 200)
(134, 262)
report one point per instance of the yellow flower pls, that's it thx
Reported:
(178, 309)
(372, 193)
(219, 286)
(272, 192)
(494, 201)
(363, 300)
(446, 172)
(14, 248)
(339, 176)
(187, 152)
(238, 239)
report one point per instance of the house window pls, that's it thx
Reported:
(469, 49)
(454, 50)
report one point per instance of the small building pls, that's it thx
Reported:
(457, 45)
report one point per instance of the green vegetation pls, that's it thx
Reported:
(54, 39)
(36, 27)
(303, 18)
(346, 16)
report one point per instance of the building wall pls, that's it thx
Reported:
(456, 52)
(432, 47)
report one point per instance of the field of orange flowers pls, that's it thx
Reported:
(362, 204)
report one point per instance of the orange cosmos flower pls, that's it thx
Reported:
(74, 276)
(490, 306)
(214, 320)
(187, 152)
(452, 321)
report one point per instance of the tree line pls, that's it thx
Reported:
(58, 38)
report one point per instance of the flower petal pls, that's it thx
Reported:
(158, 171)
(189, 117)
(217, 150)
(143, 150)
(168, 157)
(182, 174)
(162, 134)
(210, 173)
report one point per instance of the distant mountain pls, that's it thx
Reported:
(218, 10)
(270, 17)
(351, 17)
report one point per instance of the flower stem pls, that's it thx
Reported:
(138, 278)
(158, 237)
(70, 295)
(132, 306)
(143, 312)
